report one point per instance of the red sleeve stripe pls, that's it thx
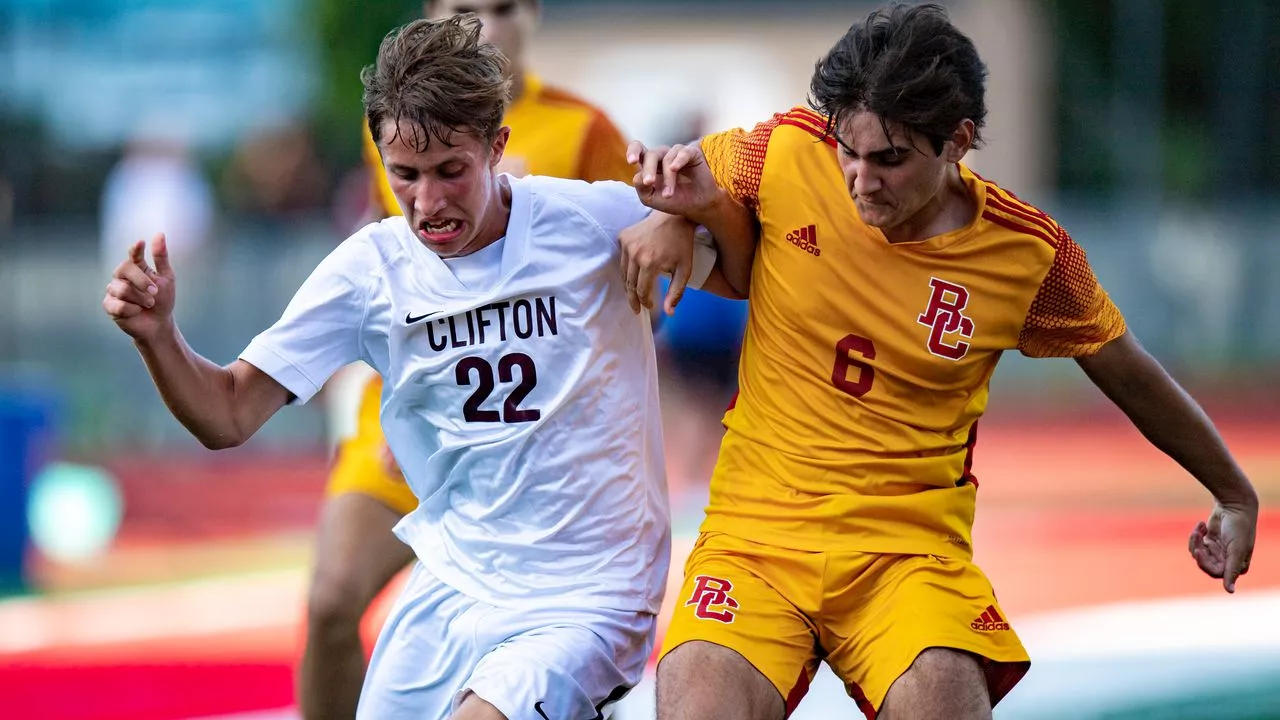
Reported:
(1025, 213)
(814, 118)
(816, 133)
(1018, 227)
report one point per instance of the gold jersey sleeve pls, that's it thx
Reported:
(380, 196)
(865, 365)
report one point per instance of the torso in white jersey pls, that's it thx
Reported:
(521, 401)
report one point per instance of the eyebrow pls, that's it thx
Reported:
(881, 155)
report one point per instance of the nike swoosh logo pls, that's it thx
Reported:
(537, 707)
(409, 318)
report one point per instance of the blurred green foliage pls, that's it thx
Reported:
(348, 35)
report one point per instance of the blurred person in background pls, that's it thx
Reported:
(542, 535)
(275, 173)
(157, 183)
(554, 133)
(887, 281)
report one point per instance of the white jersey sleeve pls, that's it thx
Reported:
(615, 207)
(321, 329)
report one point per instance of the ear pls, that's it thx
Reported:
(960, 142)
(499, 146)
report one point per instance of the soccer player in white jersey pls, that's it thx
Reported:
(520, 398)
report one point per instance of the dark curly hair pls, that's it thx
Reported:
(440, 77)
(908, 65)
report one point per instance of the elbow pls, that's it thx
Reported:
(220, 440)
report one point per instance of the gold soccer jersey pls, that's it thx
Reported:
(865, 365)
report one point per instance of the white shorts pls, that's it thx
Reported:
(534, 663)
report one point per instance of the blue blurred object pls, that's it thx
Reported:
(703, 322)
(701, 340)
(26, 440)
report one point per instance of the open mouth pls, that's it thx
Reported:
(442, 231)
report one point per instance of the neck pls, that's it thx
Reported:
(951, 208)
(495, 224)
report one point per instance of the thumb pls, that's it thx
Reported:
(160, 254)
(1235, 564)
(675, 290)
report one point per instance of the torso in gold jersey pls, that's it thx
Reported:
(553, 133)
(865, 364)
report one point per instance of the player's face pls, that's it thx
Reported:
(508, 24)
(894, 179)
(449, 193)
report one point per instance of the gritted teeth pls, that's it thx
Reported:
(441, 227)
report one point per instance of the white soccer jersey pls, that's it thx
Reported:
(524, 415)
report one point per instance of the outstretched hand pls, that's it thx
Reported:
(139, 298)
(1223, 547)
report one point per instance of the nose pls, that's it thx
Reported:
(862, 178)
(429, 199)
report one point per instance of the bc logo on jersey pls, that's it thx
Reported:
(945, 316)
(712, 592)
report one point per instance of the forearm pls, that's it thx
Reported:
(736, 233)
(1174, 423)
(198, 392)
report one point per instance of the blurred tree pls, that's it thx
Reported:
(348, 35)
(1217, 100)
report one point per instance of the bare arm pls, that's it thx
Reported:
(736, 234)
(1167, 416)
(221, 406)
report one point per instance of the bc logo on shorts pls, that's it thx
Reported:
(710, 593)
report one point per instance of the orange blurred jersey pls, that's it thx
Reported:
(553, 132)
(865, 365)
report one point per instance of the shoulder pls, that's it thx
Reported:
(608, 203)
(555, 97)
(590, 197)
(1005, 210)
(367, 252)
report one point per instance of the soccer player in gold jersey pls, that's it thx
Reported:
(886, 282)
(553, 133)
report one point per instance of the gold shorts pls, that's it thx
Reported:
(359, 466)
(867, 614)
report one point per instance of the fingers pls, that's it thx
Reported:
(671, 165)
(160, 253)
(650, 161)
(134, 270)
(122, 290)
(631, 278)
(1197, 537)
(120, 309)
(626, 263)
(675, 291)
(635, 152)
(1237, 564)
(644, 284)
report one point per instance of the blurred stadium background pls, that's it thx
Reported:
(143, 577)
